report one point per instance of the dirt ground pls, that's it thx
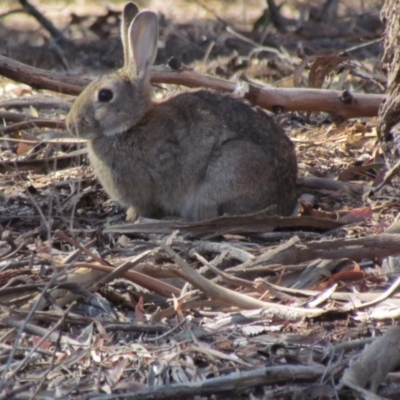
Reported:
(247, 307)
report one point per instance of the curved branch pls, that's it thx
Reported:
(342, 105)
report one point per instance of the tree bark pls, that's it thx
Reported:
(389, 116)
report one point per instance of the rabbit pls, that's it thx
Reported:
(196, 155)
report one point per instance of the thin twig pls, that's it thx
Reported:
(47, 24)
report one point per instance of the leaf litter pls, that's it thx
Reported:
(253, 306)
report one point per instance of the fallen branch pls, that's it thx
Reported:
(33, 123)
(248, 223)
(228, 296)
(38, 102)
(236, 381)
(40, 165)
(342, 105)
(373, 246)
(13, 117)
(40, 78)
(376, 361)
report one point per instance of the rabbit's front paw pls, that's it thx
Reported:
(131, 214)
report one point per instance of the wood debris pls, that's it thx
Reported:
(255, 305)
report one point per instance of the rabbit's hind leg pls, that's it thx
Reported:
(239, 180)
(199, 206)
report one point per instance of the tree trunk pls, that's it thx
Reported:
(389, 116)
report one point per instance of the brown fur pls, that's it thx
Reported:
(196, 155)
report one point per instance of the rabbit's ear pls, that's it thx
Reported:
(128, 14)
(143, 35)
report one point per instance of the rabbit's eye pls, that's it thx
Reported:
(105, 95)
